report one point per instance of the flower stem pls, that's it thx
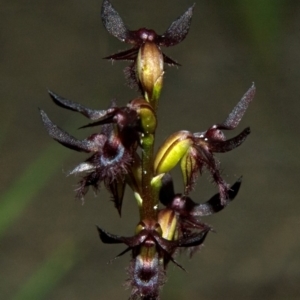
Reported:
(150, 200)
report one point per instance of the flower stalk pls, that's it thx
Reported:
(122, 154)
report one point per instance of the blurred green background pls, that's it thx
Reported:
(49, 247)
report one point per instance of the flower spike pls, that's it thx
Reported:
(122, 152)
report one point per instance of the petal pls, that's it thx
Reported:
(239, 110)
(130, 54)
(215, 138)
(125, 118)
(169, 61)
(83, 167)
(117, 189)
(71, 105)
(214, 204)
(178, 30)
(113, 22)
(108, 238)
(66, 139)
(193, 240)
(228, 145)
(107, 118)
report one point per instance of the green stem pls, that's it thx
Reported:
(150, 201)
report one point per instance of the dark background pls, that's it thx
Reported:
(49, 247)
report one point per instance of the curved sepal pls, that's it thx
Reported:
(129, 55)
(215, 140)
(214, 204)
(228, 145)
(178, 30)
(108, 238)
(66, 139)
(239, 110)
(113, 22)
(74, 106)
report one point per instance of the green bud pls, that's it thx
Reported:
(146, 114)
(150, 70)
(172, 151)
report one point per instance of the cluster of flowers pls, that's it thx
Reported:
(123, 154)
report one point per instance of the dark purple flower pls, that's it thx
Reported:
(187, 212)
(113, 148)
(214, 141)
(195, 152)
(114, 24)
(150, 255)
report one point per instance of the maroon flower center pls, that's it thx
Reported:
(146, 35)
